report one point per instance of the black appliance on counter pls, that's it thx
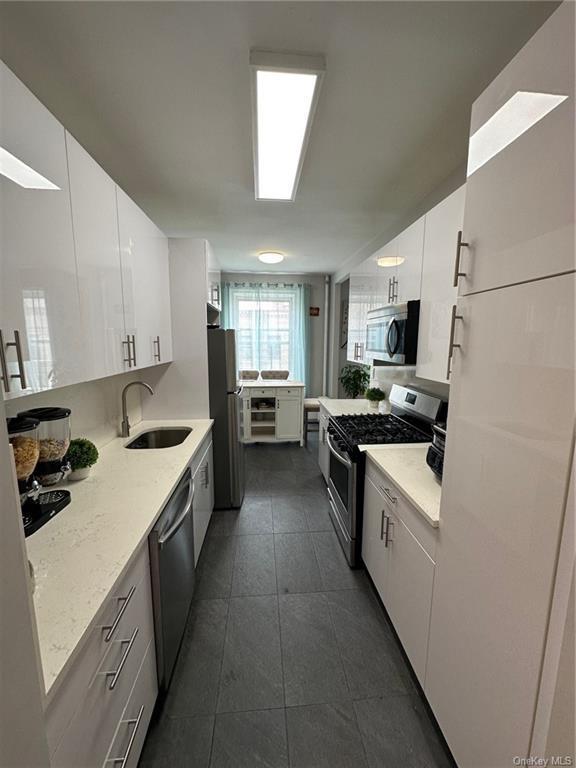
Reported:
(435, 455)
(412, 416)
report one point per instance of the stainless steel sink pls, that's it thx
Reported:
(164, 437)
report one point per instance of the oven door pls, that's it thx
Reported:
(342, 493)
(385, 338)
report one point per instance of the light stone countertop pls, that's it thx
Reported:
(80, 554)
(276, 383)
(344, 407)
(406, 466)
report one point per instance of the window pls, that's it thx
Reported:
(271, 323)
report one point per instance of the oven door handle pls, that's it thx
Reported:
(337, 455)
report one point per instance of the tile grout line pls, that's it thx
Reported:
(281, 652)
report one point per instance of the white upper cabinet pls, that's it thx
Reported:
(519, 216)
(213, 278)
(409, 247)
(506, 469)
(359, 304)
(39, 301)
(438, 294)
(145, 286)
(95, 220)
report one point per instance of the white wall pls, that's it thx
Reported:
(95, 405)
(316, 283)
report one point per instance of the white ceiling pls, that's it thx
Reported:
(159, 94)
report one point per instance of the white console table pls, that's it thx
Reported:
(272, 411)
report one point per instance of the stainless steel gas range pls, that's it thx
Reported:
(412, 415)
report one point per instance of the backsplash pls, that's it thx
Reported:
(95, 405)
(384, 376)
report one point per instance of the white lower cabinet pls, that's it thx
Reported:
(323, 450)
(288, 418)
(399, 564)
(87, 710)
(203, 475)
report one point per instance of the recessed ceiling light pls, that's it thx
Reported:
(515, 117)
(271, 257)
(22, 174)
(390, 261)
(285, 90)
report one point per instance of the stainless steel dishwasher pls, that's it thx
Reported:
(171, 545)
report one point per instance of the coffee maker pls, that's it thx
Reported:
(37, 506)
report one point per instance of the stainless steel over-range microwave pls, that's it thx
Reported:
(392, 333)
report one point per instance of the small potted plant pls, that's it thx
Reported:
(354, 379)
(375, 395)
(82, 454)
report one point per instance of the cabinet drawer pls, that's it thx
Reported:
(423, 532)
(129, 605)
(264, 392)
(130, 733)
(200, 452)
(99, 708)
(288, 392)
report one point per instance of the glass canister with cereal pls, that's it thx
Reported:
(54, 435)
(25, 441)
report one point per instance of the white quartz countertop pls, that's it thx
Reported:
(343, 407)
(406, 466)
(260, 383)
(80, 554)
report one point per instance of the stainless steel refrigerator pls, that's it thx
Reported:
(226, 410)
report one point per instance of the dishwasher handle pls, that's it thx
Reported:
(167, 535)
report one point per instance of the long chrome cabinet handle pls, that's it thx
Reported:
(382, 518)
(389, 290)
(126, 344)
(459, 245)
(133, 343)
(115, 673)
(387, 538)
(6, 377)
(112, 627)
(387, 493)
(157, 355)
(135, 721)
(451, 345)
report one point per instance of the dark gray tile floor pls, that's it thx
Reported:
(288, 659)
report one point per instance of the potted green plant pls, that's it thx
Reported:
(82, 454)
(354, 379)
(375, 395)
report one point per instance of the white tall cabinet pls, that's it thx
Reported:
(95, 219)
(510, 428)
(39, 301)
(408, 272)
(438, 294)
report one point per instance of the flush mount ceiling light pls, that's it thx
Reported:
(285, 89)
(271, 257)
(22, 174)
(390, 261)
(515, 117)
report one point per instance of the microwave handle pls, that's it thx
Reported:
(391, 351)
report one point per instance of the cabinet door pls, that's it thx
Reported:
(288, 418)
(410, 245)
(359, 303)
(203, 500)
(438, 292)
(38, 286)
(145, 283)
(374, 551)
(213, 276)
(95, 219)
(519, 215)
(506, 469)
(410, 577)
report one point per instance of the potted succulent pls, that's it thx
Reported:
(82, 454)
(354, 379)
(375, 395)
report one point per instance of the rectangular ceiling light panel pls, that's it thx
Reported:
(285, 88)
(515, 117)
(22, 174)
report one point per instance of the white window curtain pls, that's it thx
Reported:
(271, 321)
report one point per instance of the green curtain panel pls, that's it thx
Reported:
(272, 324)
